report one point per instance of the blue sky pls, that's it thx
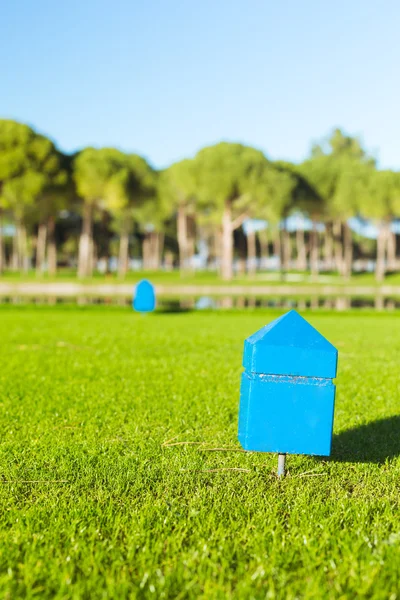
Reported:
(166, 77)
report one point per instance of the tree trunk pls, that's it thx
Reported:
(381, 245)
(348, 252)
(51, 247)
(154, 250)
(15, 262)
(227, 243)
(215, 249)
(85, 242)
(391, 249)
(92, 257)
(123, 253)
(277, 246)
(2, 255)
(264, 244)
(191, 240)
(161, 240)
(338, 247)
(314, 252)
(24, 249)
(285, 248)
(146, 252)
(151, 251)
(301, 250)
(328, 247)
(251, 253)
(169, 261)
(182, 237)
(41, 248)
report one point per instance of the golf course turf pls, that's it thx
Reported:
(121, 475)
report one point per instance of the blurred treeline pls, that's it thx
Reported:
(83, 209)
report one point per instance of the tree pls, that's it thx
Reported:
(271, 198)
(151, 218)
(380, 192)
(334, 159)
(349, 199)
(132, 184)
(291, 194)
(177, 187)
(321, 172)
(54, 197)
(339, 144)
(15, 141)
(228, 177)
(93, 172)
(30, 167)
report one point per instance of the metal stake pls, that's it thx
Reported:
(281, 465)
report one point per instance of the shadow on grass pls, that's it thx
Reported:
(167, 310)
(371, 443)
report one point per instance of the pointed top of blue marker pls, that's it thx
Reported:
(144, 297)
(289, 345)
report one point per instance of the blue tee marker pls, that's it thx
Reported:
(144, 297)
(287, 395)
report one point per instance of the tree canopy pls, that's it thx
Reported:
(119, 196)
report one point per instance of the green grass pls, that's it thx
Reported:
(206, 278)
(94, 506)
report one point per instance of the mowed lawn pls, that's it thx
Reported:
(110, 487)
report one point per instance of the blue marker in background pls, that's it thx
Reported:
(287, 395)
(144, 297)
